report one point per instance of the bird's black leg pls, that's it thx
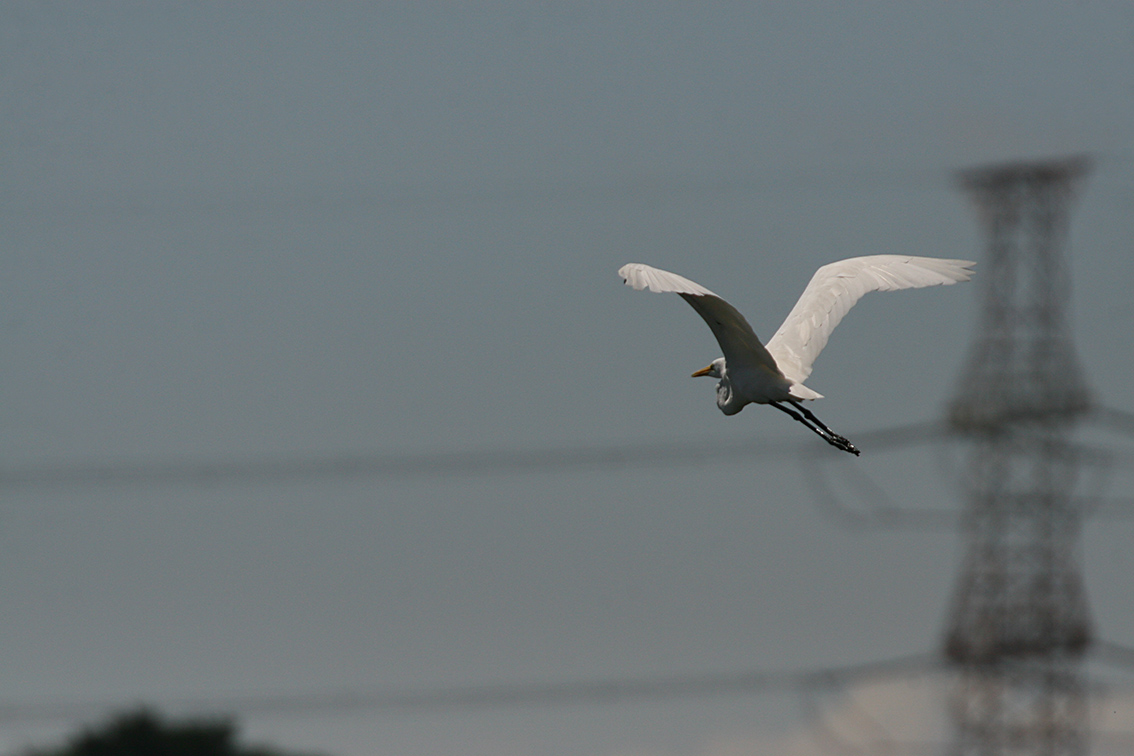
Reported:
(807, 417)
(795, 416)
(825, 435)
(834, 438)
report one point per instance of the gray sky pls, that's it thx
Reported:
(262, 231)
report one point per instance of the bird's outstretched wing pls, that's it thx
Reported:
(835, 288)
(738, 342)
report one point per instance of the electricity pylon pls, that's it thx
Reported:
(1019, 624)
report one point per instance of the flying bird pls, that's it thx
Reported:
(755, 373)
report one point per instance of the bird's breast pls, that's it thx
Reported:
(761, 385)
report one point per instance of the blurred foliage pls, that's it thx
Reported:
(144, 733)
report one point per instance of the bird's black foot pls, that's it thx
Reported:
(841, 443)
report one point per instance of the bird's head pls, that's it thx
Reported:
(714, 370)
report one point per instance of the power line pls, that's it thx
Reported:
(390, 466)
(494, 696)
(367, 196)
(833, 485)
(484, 462)
(439, 700)
(431, 464)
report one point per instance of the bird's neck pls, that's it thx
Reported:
(727, 400)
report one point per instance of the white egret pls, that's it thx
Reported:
(751, 372)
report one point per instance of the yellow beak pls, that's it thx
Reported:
(702, 371)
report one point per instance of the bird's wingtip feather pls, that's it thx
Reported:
(641, 276)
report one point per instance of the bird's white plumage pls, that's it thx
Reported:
(776, 372)
(739, 343)
(835, 288)
(642, 276)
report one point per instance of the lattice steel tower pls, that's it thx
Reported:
(1019, 624)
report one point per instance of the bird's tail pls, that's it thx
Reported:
(799, 391)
